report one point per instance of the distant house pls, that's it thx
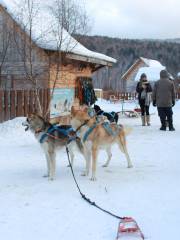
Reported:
(77, 61)
(150, 67)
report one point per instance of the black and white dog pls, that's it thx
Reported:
(111, 116)
(52, 138)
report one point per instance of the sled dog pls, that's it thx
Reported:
(111, 116)
(94, 136)
(51, 139)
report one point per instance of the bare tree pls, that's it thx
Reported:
(64, 19)
(70, 19)
(5, 34)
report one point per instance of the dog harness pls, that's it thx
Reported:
(89, 131)
(109, 130)
(54, 128)
(106, 126)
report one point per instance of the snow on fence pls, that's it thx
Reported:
(17, 103)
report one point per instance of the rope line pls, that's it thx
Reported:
(84, 196)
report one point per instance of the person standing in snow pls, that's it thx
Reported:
(144, 91)
(164, 98)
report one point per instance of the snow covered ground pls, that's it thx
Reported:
(32, 208)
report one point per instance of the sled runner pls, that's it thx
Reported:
(128, 227)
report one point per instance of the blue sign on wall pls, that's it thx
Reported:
(62, 101)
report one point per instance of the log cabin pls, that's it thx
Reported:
(34, 58)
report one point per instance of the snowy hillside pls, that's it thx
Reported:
(32, 208)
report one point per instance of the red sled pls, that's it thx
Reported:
(129, 227)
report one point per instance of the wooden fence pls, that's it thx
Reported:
(17, 103)
(110, 95)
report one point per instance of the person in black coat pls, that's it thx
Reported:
(144, 91)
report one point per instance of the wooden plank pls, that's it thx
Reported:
(31, 101)
(19, 108)
(26, 102)
(1, 106)
(6, 105)
(41, 98)
(45, 93)
(12, 104)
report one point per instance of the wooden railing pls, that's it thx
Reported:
(16, 103)
(117, 96)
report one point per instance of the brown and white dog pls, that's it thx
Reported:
(97, 138)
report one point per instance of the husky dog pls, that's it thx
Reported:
(51, 139)
(111, 116)
(94, 136)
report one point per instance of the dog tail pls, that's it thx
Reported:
(127, 130)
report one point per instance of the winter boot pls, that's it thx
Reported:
(170, 120)
(163, 124)
(148, 120)
(143, 120)
(163, 128)
(171, 127)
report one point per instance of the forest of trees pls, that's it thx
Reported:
(127, 51)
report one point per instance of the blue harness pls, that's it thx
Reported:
(89, 131)
(106, 126)
(109, 130)
(53, 128)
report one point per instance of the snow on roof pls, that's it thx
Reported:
(45, 32)
(151, 62)
(152, 73)
(152, 70)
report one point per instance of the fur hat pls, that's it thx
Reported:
(164, 74)
(143, 75)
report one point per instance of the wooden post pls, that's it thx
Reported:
(12, 104)
(31, 101)
(26, 102)
(1, 106)
(6, 105)
(20, 111)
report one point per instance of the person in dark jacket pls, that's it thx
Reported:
(144, 91)
(164, 99)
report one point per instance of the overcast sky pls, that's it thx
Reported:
(135, 18)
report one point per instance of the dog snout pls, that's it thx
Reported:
(25, 124)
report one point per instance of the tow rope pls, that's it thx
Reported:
(127, 225)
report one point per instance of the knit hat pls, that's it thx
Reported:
(164, 74)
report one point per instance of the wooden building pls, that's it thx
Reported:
(33, 58)
(150, 67)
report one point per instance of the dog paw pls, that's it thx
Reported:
(45, 175)
(51, 178)
(93, 179)
(130, 166)
(104, 165)
(84, 174)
